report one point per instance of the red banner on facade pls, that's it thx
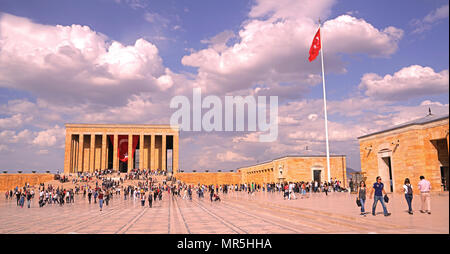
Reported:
(122, 149)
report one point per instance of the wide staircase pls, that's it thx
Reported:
(160, 179)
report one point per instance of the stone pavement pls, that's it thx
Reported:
(238, 213)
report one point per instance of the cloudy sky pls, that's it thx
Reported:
(122, 61)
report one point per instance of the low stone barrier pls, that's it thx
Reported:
(208, 178)
(10, 181)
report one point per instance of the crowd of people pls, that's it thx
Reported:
(141, 185)
(143, 174)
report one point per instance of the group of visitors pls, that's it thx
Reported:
(143, 174)
(149, 190)
(21, 195)
(424, 187)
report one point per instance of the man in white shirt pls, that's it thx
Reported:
(291, 191)
(425, 188)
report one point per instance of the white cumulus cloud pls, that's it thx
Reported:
(409, 82)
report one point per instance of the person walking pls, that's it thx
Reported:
(22, 199)
(211, 194)
(362, 196)
(150, 199)
(96, 195)
(100, 199)
(29, 196)
(17, 197)
(378, 187)
(107, 196)
(286, 191)
(425, 188)
(291, 191)
(143, 199)
(89, 195)
(155, 194)
(408, 194)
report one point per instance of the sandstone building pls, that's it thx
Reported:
(284, 169)
(123, 147)
(92, 147)
(296, 168)
(409, 150)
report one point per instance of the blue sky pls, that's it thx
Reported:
(199, 20)
(189, 38)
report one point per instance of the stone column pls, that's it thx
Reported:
(68, 153)
(141, 151)
(92, 153)
(70, 156)
(163, 153)
(115, 158)
(104, 154)
(175, 152)
(130, 152)
(75, 154)
(448, 148)
(80, 153)
(152, 152)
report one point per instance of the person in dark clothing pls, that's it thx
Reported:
(61, 198)
(22, 199)
(408, 194)
(362, 196)
(150, 200)
(89, 196)
(18, 197)
(107, 196)
(378, 187)
(29, 196)
(211, 194)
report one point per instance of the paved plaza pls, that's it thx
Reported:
(238, 213)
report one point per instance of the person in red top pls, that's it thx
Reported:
(100, 199)
(286, 191)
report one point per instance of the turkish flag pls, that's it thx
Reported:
(123, 146)
(315, 47)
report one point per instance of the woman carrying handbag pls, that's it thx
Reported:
(361, 199)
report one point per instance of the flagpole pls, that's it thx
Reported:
(325, 106)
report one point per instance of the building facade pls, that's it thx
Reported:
(91, 147)
(284, 169)
(296, 168)
(409, 150)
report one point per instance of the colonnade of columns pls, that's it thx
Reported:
(87, 152)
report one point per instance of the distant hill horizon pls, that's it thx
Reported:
(351, 170)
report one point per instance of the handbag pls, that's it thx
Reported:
(386, 199)
(358, 202)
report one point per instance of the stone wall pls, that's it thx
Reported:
(10, 181)
(208, 178)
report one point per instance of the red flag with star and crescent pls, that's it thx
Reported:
(315, 47)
